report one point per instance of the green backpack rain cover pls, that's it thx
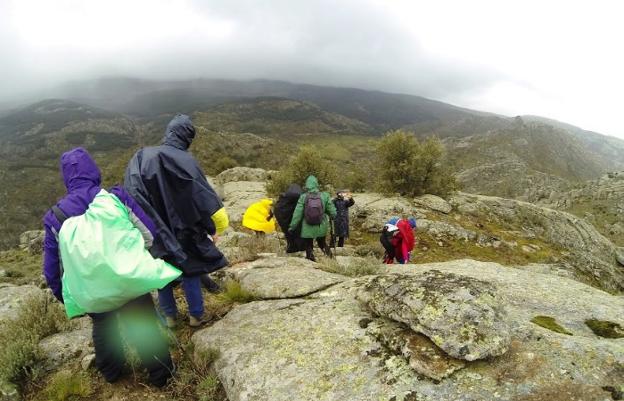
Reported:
(104, 259)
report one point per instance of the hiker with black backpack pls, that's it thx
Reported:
(284, 210)
(313, 211)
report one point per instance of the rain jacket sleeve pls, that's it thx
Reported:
(220, 220)
(297, 214)
(51, 259)
(330, 208)
(137, 216)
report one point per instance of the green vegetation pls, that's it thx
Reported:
(355, 267)
(20, 266)
(412, 167)
(605, 328)
(40, 317)
(195, 378)
(308, 161)
(233, 292)
(66, 384)
(550, 323)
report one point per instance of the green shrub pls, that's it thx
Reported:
(412, 167)
(224, 163)
(39, 317)
(308, 161)
(65, 384)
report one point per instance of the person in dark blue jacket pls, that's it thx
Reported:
(169, 185)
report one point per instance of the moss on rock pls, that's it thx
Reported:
(605, 328)
(551, 324)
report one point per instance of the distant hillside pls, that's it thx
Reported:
(608, 147)
(45, 128)
(31, 141)
(277, 116)
(601, 202)
(523, 160)
(383, 111)
(260, 123)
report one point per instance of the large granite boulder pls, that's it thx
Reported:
(238, 174)
(460, 314)
(619, 255)
(433, 202)
(372, 210)
(60, 348)
(330, 346)
(239, 195)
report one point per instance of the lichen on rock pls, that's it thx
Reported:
(459, 314)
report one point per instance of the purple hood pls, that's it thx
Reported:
(82, 179)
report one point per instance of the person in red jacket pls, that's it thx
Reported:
(398, 240)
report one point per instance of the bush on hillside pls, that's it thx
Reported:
(308, 161)
(412, 167)
(224, 163)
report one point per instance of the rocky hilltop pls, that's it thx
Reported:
(506, 300)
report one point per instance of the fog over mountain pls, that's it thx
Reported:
(557, 60)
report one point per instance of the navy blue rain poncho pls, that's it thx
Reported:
(170, 186)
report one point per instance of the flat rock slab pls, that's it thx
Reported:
(276, 278)
(304, 350)
(461, 315)
(325, 346)
(12, 298)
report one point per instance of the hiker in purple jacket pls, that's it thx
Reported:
(82, 180)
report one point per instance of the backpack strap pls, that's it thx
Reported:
(59, 214)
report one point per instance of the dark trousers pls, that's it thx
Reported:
(137, 323)
(320, 241)
(341, 241)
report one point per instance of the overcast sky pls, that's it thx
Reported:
(561, 59)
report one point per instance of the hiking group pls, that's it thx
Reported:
(105, 251)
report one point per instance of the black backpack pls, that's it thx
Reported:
(314, 209)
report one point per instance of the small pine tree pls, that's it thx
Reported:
(412, 167)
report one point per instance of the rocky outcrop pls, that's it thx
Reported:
(433, 202)
(60, 348)
(238, 174)
(32, 241)
(239, 195)
(372, 210)
(590, 256)
(459, 314)
(13, 297)
(619, 255)
(330, 346)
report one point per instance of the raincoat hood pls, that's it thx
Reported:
(79, 169)
(293, 192)
(180, 132)
(311, 184)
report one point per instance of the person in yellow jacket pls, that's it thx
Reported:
(259, 217)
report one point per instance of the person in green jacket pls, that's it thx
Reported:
(313, 211)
